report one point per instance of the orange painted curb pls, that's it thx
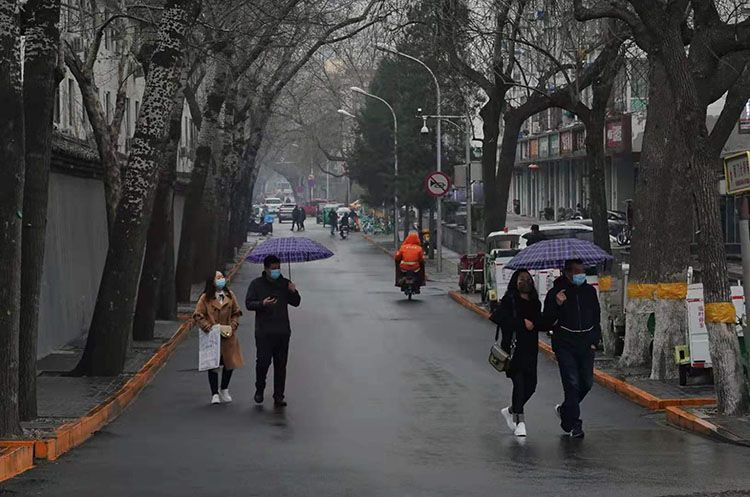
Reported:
(688, 421)
(623, 388)
(15, 459)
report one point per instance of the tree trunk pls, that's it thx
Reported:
(106, 147)
(494, 211)
(507, 163)
(597, 190)
(112, 322)
(159, 234)
(205, 245)
(167, 308)
(207, 138)
(11, 212)
(42, 43)
(661, 199)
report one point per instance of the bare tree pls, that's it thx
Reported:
(11, 212)
(661, 29)
(112, 322)
(98, 24)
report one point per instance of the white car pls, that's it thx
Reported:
(285, 212)
(273, 204)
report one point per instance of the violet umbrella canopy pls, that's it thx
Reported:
(552, 254)
(290, 249)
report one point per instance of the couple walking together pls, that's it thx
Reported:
(571, 312)
(269, 297)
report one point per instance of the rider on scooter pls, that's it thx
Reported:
(410, 257)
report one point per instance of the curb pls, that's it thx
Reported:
(623, 388)
(17, 456)
(685, 420)
(377, 245)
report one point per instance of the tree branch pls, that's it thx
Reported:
(614, 9)
(736, 100)
(193, 105)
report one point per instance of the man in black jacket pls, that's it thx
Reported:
(269, 296)
(572, 304)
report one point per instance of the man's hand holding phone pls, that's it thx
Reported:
(269, 301)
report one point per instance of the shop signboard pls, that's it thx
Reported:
(533, 148)
(554, 145)
(580, 140)
(543, 146)
(737, 171)
(615, 135)
(566, 142)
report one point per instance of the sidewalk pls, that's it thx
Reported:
(71, 409)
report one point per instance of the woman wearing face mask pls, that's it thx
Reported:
(519, 316)
(218, 305)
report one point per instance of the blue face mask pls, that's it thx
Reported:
(275, 274)
(579, 279)
(220, 283)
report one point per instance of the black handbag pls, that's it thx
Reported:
(499, 358)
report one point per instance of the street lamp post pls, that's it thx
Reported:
(439, 240)
(356, 89)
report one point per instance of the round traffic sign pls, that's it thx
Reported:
(437, 184)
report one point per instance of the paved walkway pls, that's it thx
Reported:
(387, 398)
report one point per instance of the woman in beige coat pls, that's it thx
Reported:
(218, 305)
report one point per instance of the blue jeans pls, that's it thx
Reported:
(576, 364)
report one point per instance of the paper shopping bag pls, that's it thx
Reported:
(209, 349)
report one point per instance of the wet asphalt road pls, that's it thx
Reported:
(386, 398)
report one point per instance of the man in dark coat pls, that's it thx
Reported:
(301, 219)
(295, 217)
(269, 296)
(573, 306)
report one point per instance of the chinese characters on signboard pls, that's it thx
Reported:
(737, 170)
(615, 139)
(566, 142)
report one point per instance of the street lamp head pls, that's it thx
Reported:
(357, 89)
(345, 113)
(425, 130)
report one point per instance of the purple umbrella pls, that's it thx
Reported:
(552, 254)
(290, 249)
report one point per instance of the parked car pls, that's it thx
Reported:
(273, 204)
(285, 212)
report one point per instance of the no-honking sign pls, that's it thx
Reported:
(437, 184)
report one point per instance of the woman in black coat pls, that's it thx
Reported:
(519, 318)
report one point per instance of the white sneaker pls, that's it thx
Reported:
(215, 399)
(224, 396)
(520, 430)
(508, 418)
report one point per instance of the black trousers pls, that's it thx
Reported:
(524, 386)
(576, 363)
(271, 348)
(213, 379)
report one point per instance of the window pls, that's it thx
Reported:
(70, 102)
(56, 111)
(128, 119)
(638, 84)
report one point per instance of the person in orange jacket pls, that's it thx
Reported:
(410, 257)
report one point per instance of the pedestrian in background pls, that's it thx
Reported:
(572, 304)
(535, 236)
(519, 318)
(295, 217)
(333, 220)
(270, 296)
(301, 219)
(218, 305)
